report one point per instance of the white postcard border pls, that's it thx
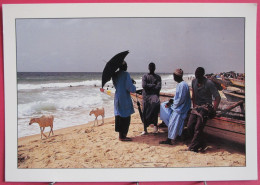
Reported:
(11, 12)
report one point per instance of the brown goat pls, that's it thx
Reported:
(44, 121)
(98, 112)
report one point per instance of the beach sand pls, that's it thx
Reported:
(88, 146)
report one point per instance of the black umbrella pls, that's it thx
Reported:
(138, 104)
(139, 109)
(112, 65)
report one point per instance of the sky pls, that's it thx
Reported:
(86, 44)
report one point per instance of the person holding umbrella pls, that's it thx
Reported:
(123, 106)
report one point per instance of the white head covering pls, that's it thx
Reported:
(178, 72)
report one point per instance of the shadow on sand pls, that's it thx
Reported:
(213, 144)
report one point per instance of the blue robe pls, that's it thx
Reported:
(123, 105)
(175, 116)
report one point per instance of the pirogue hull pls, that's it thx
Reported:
(226, 128)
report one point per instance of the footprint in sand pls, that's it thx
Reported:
(79, 131)
(22, 158)
(89, 130)
(52, 139)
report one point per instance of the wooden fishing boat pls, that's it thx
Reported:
(225, 81)
(234, 96)
(225, 126)
(237, 82)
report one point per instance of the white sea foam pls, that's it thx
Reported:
(67, 112)
(58, 85)
(62, 103)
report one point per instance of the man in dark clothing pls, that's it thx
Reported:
(203, 90)
(151, 84)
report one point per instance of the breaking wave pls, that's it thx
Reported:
(59, 85)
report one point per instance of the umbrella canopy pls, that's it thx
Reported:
(112, 65)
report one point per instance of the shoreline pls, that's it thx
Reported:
(86, 146)
(60, 129)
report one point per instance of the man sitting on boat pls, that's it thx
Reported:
(174, 112)
(202, 91)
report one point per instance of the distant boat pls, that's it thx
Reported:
(237, 82)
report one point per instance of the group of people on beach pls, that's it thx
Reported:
(205, 100)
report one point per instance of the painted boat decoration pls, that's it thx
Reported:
(237, 82)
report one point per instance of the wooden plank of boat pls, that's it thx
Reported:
(163, 97)
(224, 128)
(232, 96)
(237, 82)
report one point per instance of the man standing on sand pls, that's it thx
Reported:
(202, 91)
(151, 84)
(123, 106)
(174, 112)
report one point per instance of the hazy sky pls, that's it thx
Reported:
(85, 45)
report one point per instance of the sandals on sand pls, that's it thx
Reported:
(162, 125)
(155, 130)
(125, 139)
(144, 133)
(166, 142)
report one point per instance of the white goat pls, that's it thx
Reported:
(44, 121)
(98, 112)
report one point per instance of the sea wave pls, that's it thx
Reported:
(59, 85)
(62, 104)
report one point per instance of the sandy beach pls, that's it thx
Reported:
(88, 146)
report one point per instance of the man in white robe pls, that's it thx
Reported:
(175, 114)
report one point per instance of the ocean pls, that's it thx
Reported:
(68, 96)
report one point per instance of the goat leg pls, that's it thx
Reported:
(43, 131)
(50, 131)
(96, 121)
